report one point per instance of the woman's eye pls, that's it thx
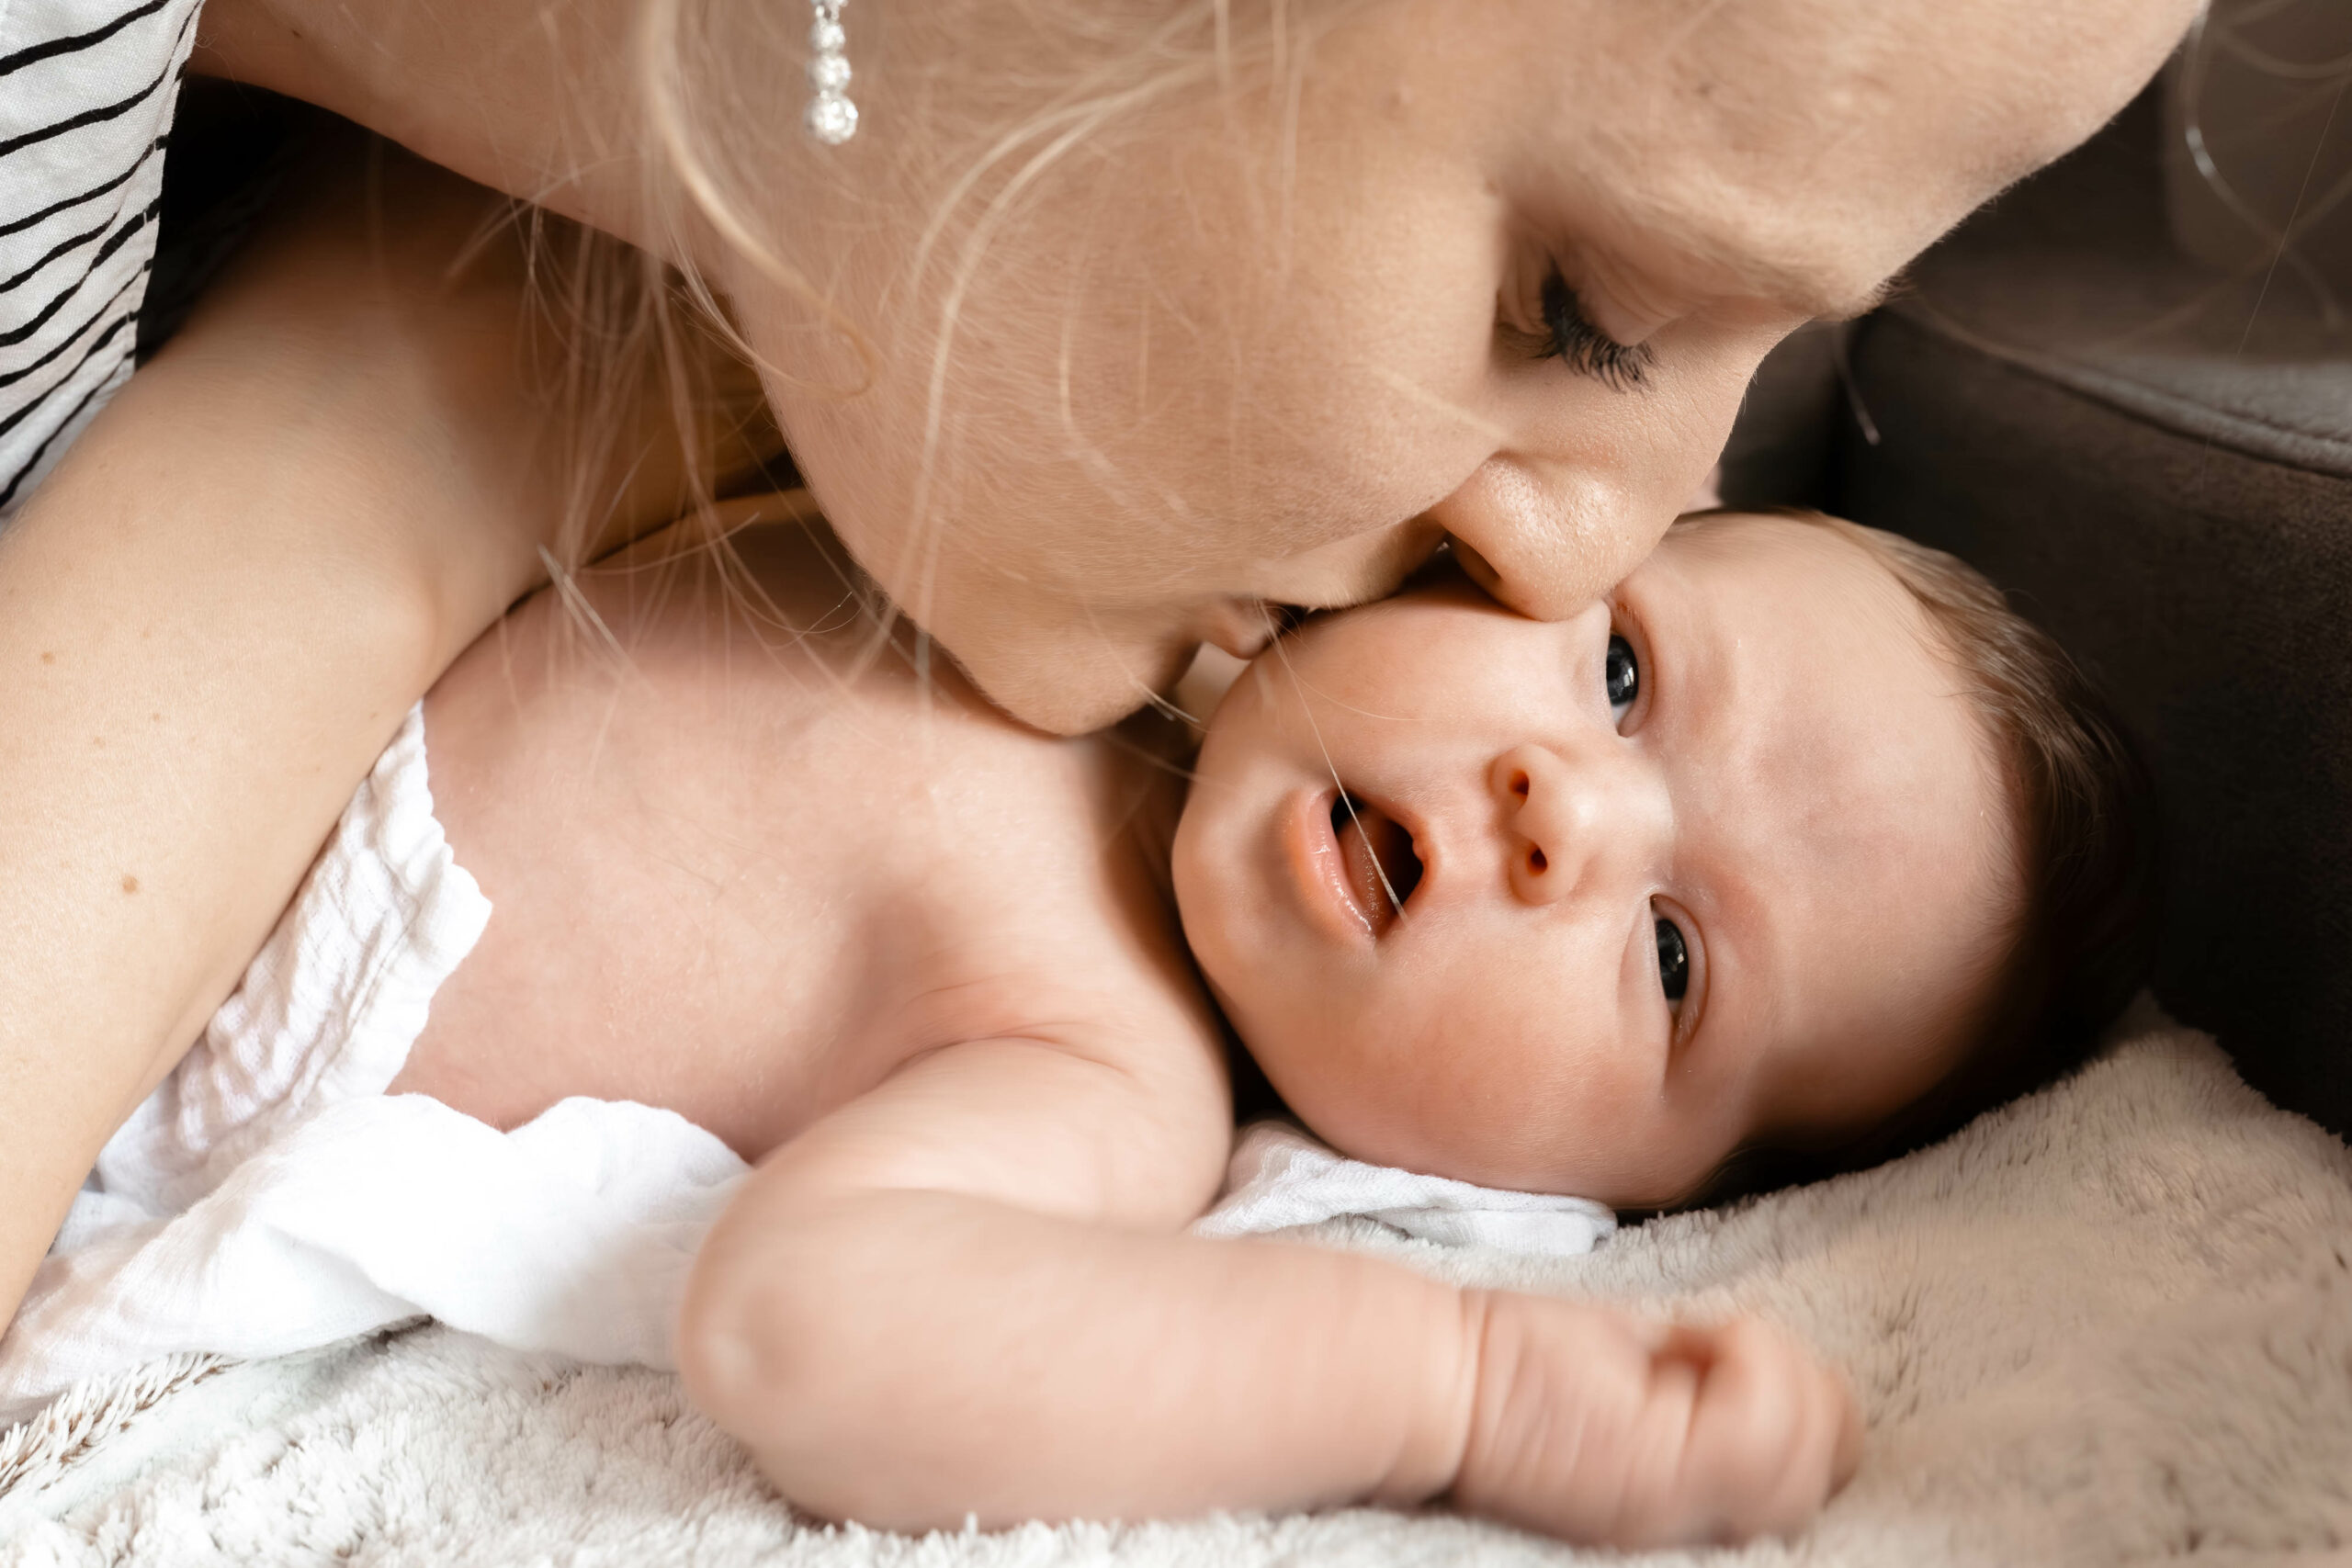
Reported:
(1586, 349)
(1673, 961)
(1622, 678)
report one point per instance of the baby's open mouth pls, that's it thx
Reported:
(1377, 858)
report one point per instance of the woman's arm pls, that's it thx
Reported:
(215, 613)
(967, 1294)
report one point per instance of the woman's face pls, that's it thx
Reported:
(1496, 269)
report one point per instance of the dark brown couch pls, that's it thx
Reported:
(2155, 460)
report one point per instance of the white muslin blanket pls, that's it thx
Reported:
(270, 1197)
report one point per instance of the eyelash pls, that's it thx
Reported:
(1585, 348)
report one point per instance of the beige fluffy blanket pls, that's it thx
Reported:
(2111, 1323)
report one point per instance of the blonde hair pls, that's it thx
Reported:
(1068, 75)
(633, 365)
(965, 151)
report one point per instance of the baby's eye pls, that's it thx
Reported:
(1623, 677)
(1673, 961)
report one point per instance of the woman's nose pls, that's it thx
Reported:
(1576, 821)
(1584, 479)
(1547, 539)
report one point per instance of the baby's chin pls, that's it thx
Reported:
(1461, 1138)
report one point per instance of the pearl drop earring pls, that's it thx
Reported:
(833, 119)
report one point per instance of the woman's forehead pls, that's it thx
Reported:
(1791, 150)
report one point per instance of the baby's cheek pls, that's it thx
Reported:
(1339, 1076)
(1573, 1123)
(1410, 1087)
(1665, 1155)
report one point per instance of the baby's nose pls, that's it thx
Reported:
(1570, 822)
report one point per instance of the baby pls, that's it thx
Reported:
(1751, 855)
(1796, 843)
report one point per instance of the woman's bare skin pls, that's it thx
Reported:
(279, 613)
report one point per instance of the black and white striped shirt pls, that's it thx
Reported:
(87, 88)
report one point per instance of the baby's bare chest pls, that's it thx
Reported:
(750, 897)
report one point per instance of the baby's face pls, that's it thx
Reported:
(1723, 856)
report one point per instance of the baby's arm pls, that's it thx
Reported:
(213, 615)
(969, 1292)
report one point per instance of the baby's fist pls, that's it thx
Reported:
(1594, 1425)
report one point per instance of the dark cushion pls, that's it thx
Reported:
(2157, 462)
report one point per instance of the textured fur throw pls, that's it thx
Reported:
(2109, 1323)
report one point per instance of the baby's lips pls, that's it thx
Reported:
(1372, 845)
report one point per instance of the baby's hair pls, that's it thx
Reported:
(2083, 936)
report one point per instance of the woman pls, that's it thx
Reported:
(1110, 326)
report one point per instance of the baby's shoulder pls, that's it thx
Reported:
(1052, 885)
(1029, 875)
(742, 734)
